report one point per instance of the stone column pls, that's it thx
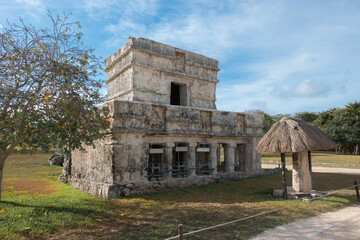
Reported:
(191, 158)
(230, 157)
(168, 157)
(213, 157)
(301, 179)
(249, 155)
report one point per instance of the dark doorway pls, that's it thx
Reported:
(240, 158)
(222, 158)
(175, 94)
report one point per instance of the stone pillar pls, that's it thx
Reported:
(168, 157)
(191, 158)
(213, 157)
(230, 157)
(301, 179)
(257, 157)
(249, 155)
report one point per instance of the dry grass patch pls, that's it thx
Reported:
(31, 187)
(328, 159)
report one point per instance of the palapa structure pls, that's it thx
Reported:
(296, 136)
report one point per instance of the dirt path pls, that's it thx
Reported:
(351, 171)
(342, 224)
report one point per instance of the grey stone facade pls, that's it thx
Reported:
(166, 132)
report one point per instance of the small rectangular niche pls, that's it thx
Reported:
(156, 162)
(178, 95)
(202, 159)
(180, 61)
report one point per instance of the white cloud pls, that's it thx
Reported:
(311, 88)
(1, 26)
(118, 9)
(32, 7)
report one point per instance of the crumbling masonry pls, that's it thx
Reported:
(166, 132)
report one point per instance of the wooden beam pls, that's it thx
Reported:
(283, 173)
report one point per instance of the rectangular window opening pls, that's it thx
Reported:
(202, 159)
(155, 163)
(179, 160)
(178, 95)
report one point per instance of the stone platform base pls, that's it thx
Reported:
(110, 191)
(292, 195)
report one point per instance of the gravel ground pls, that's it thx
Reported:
(342, 224)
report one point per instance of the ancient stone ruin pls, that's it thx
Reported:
(166, 131)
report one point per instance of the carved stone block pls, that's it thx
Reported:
(205, 121)
(157, 120)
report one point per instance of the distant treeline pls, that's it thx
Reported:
(341, 124)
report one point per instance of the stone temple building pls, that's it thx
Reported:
(166, 131)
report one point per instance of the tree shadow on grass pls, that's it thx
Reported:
(257, 189)
(77, 210)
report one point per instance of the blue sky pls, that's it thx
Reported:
(277, 56)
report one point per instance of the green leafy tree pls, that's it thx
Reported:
(331, 122)
(49, 89)
(343, 126)
(351, 122)
(307, 116)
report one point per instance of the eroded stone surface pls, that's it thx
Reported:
(301, 177)
(146, 121)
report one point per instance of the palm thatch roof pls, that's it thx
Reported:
(294, 135)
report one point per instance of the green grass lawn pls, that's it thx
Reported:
(36, 206)
(328, 159)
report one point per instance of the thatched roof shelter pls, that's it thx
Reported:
(290, 135)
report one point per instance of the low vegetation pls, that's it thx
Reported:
(323, 159)
(341, 124)
(36, 206)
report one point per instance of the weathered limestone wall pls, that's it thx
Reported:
(143, 70)
(130, 160)
(118, 165)
(91, 171)
(132, 116)
(121, 87)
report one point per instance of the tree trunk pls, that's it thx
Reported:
(2, 163)
(66, 172)
(283, 176)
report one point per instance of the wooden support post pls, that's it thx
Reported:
(283, 172)
(357, 191)
(310, 169)
(181, 232)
